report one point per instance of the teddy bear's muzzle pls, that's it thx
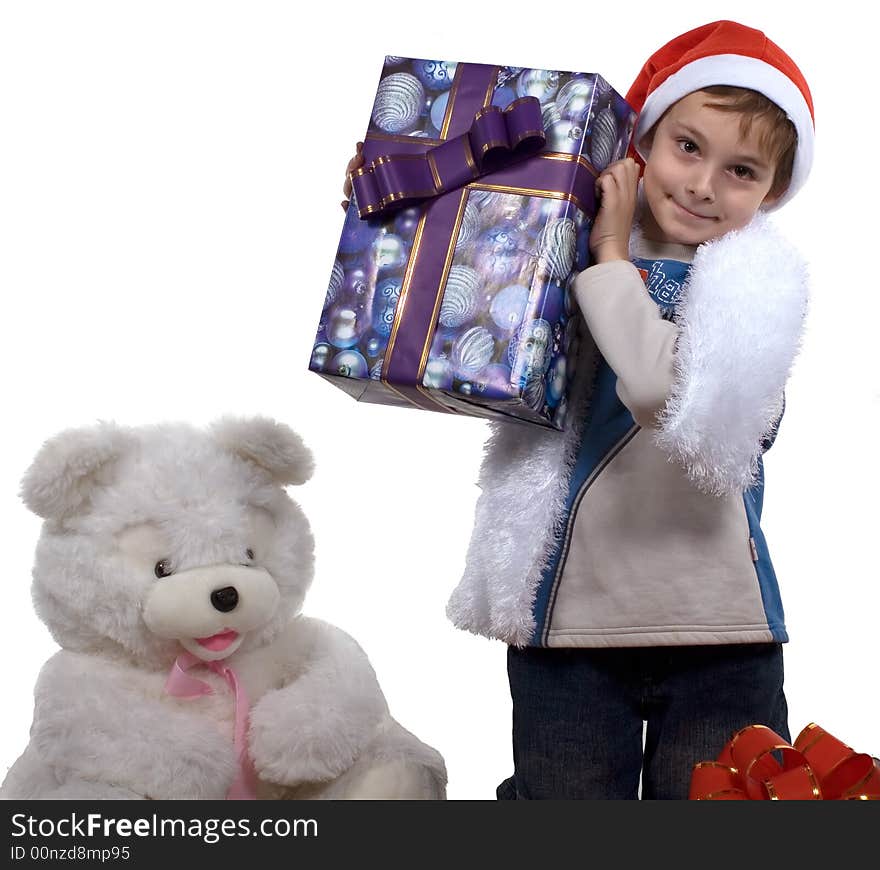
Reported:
(211, 601)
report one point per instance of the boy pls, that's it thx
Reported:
(623, 561)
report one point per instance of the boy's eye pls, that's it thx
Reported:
(687, 146)
(743, 172)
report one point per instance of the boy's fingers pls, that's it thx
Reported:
(355, 163)
(625, 174)
(605, 184)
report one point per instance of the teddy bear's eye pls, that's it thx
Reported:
(163, 568)
(250, 554)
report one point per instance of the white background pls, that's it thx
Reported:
(169, 214)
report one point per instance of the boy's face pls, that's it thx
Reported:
(701, 178)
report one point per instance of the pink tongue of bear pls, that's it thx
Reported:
(217, 642)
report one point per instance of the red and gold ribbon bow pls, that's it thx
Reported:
(817, 767)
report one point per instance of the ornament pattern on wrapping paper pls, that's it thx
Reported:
(412, 96)
(565, 136)
(532, 352)
(336, 278)
(387, 297)
(508, 73)
(472, 351)
(556, 248)
(350, 364)
(534, 392)
(604, 141)
(550, 115)
(437, 112)
(321, 356)
(343, 328)
(390, 251)
(435, 75)
(400, 99)
(540, 83)
(470, 224)
(461, 298)
(359, 314)
(574, 100)
(438, 374)
(508, 306)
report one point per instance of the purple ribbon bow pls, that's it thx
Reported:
(496, 138)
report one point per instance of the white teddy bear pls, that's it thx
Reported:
(171, 568)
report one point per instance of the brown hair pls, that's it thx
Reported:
(777, 136)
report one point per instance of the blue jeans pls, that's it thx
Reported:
(578, 714)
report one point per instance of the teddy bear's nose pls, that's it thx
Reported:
(225, 599)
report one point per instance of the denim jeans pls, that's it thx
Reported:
(578, 714)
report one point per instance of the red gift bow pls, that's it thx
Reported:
(817, 767)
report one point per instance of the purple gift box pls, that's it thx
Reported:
(469, 221)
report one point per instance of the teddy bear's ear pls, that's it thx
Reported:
(271, 445)
(69, 466)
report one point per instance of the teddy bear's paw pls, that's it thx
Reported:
(395, 780)
(300, 761)
(305, 745)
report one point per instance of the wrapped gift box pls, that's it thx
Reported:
(471, 217)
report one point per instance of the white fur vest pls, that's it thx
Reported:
(740, 323)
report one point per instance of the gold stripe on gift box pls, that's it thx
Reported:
(530, 191)
(435, 174)
(447, 117)
(469, 155)
(393, 137)
(493, 80)
(570, 158)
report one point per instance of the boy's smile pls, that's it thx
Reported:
(702, 179)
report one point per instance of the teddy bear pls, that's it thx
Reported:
(171, 568)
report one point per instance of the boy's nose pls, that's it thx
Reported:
(700, 186)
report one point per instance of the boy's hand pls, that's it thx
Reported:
(355, 163)
(617, 188)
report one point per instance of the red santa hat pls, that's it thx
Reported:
(726, 53)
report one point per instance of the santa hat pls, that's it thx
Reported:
(726, 53)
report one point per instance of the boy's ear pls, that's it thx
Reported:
(771, 199)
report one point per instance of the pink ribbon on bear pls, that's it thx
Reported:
(181, 685)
